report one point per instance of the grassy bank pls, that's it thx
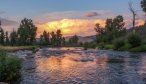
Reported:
(10, 67)
(16, 48)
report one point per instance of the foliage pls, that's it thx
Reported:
(125, 47)
(45, 38)
(134, 39)
(9, 68)
(2, 36)
(143, 5)
(26, 32)
(89, 45)
(58, 38)
(114, 28)
(13, 38)
(73, 40)
(141, 48)
(7, 38)
(104, 46)
(118, 43)
(108, 46)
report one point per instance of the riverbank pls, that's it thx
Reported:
(17, 48)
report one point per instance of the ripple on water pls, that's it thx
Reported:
(77, 66)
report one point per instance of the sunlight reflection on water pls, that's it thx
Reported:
(90, 67)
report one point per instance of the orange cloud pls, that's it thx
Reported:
(80, 27)
(72, 26)
(137, 23)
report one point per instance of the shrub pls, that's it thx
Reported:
(125, 47)
(134, 39)
(89, 45)
(9, 68)
(108, 46)
(141, 48)
(118, 43)
(101, 45)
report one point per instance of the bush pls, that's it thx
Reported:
(125, 47)
(118, 43)
(108, 46)
(9, 68)
(101, 45)
(141, 48)
(89, 45)
(134, 39)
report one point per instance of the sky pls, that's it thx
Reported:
(71, 16)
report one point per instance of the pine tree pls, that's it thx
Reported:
(7, 38)
(13, 38)
(2, 36)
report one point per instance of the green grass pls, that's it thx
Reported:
(141, 48)
(10, 67)
(16, 48)
(104, 46)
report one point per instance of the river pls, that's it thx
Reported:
(78, 66)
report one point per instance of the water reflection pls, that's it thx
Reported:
(91, 68)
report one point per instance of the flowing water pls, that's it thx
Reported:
(78, 66)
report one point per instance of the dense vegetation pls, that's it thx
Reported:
(115, 36)
(9, 68)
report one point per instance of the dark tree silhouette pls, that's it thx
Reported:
(143, 5)
(13, 38)
(2, 37)
(27, 32)
(134, 15)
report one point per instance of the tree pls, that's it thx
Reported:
(41, 40)
(100, 32)
(53, 38)
(63, 41)
(143, 5)
(7, 38)
(58, 38)
(114, 28)
(13, 38)
(46, 37)
(2, 36)
(74, 40)
(27, 32)
(133, 13)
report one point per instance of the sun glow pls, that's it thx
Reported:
(72, 26)
(80, 27)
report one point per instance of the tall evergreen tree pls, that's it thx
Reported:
(53, 38)
(2, 36)
(74, 40)
(58, 38)
(7, 38)
(46, 37)
(13, 38)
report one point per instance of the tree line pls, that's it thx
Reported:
(115, 36)
(26, 35)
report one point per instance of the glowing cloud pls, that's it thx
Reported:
(72, 26)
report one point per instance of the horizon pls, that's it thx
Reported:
(69, 16)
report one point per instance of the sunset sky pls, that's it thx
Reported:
(71, 16)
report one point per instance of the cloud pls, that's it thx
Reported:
(91, 14)
(53, 16)
(70, 27)
(6, 22)
(8, 25)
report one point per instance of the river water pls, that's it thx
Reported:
(78, 66)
